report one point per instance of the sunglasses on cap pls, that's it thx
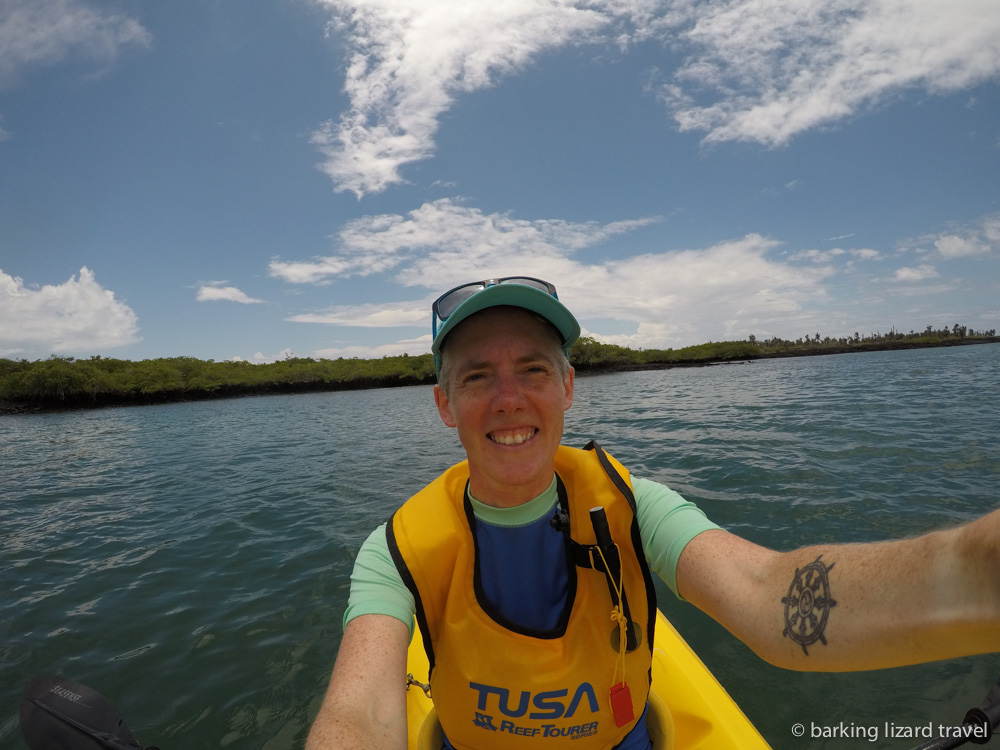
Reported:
(448, 302)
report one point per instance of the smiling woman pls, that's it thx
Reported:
(506, 392)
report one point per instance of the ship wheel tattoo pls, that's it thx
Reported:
(808, 603)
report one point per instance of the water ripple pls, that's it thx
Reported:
(192, 561)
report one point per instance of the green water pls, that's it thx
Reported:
(192, 561)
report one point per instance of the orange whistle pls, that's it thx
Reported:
(621, 704)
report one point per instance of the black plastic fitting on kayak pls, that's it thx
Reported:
(988, 718)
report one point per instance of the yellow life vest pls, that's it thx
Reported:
(494, 687)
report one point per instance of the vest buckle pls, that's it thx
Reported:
(411, 680)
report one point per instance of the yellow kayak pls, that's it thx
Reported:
(688, 708)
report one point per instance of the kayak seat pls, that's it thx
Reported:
(659, 720)
(431, 737)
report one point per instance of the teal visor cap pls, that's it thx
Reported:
(511, 295)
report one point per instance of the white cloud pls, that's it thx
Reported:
(991, 230)
(213, 292)
(980, 238)
(369, 315)
(410, 58)
(265, 359)
(680, 296)
(393, 349)
(952, 246)
(308, 272)
(829, 256)
(913, 275)
(753, 70)
(659, 299)
(818, 256)
(46, 32)
(78, 316)
(776, 68)
(446, 230)
(866, 253)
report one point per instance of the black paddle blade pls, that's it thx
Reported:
(59, 714)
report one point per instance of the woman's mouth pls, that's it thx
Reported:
(512, 437)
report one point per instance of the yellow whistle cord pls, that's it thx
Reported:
(618, 616)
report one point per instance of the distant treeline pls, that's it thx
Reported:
(67, 383)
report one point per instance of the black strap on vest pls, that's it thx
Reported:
(593, 556)
(583, 555)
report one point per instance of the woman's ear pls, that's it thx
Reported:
(443, 404)
(568, 382)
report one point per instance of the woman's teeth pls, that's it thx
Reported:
(514, 438)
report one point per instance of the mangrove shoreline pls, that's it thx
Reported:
(63, 383)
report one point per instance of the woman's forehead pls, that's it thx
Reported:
(497, 325)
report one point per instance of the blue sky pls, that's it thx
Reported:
(257, 178)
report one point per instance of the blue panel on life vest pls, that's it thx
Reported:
(524, 572)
